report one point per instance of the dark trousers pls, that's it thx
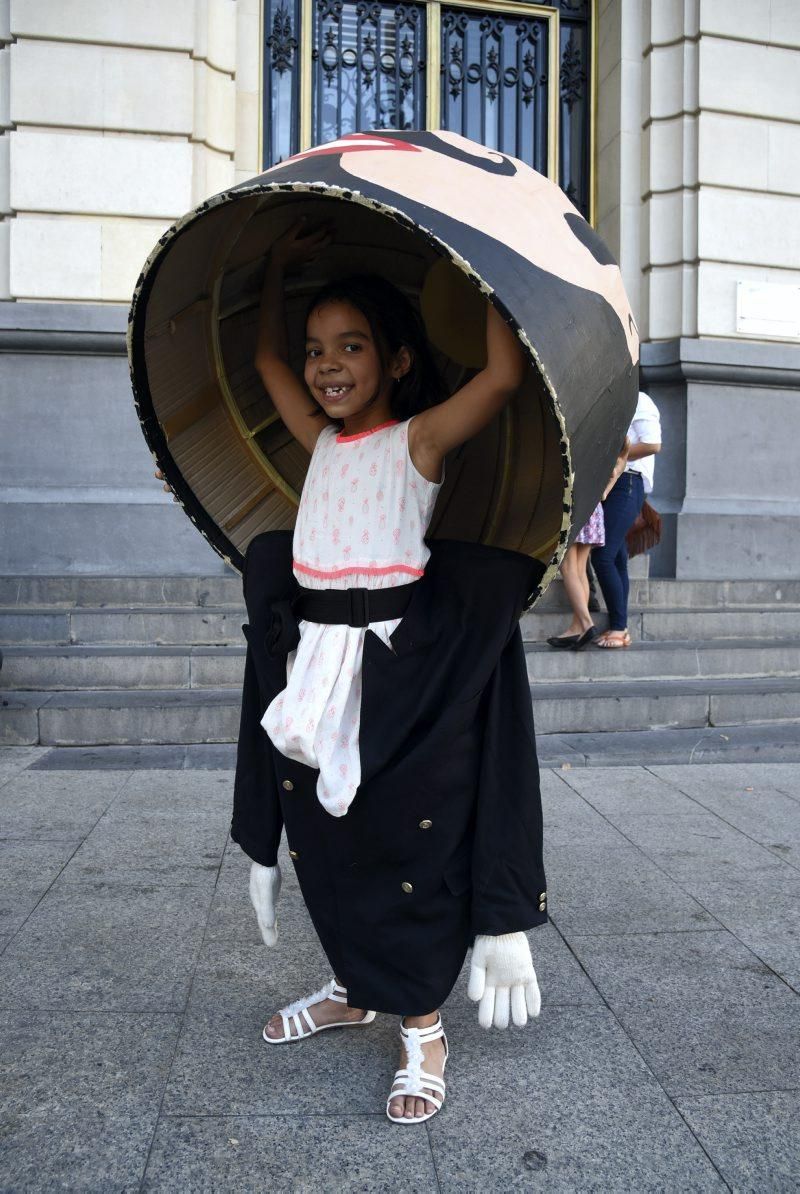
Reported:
(610, 562)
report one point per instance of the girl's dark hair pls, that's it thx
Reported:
(394, 325)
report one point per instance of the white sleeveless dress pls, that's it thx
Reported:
(363, 515)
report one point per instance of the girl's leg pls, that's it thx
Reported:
(433, 1054)
(576, 585)
(573, 572)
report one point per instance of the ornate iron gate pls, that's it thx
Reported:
(515, 77)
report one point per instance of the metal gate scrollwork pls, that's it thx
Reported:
(518, 81)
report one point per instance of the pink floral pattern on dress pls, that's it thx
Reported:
(365, 509)
(594, 531)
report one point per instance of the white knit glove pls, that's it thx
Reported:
(502, 977)
(265, 887)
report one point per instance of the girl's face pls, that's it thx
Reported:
(343, 368)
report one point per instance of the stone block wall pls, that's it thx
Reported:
(114, 120)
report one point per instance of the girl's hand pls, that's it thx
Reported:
(300, 244)
(165, 487)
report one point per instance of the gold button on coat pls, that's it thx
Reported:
(293, 854)
(542, 895)
(288, 786)
(543, 907)
(407, 888)
(425, 824)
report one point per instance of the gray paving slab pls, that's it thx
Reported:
(629, 790)
(700, 848)
(547, 1140)
(306, 1153)
(106, 946)
(63, 807)
(764, 813)
(688, 970)
(725, 1047)
(780, 776)
(764, 913)
(28, 869)
(654, 989)
(747, 1139)
(594, 890)
(14, 759)
(567, 1104)
(80, 1097)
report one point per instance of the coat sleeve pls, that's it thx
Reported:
(257, 820)
(508, 880)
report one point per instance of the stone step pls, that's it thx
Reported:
(681, 625)
(217, 625)
(67, 592)
(77, 667)
(121, 667)
(212, 715)
(179, 626)
(647, 660)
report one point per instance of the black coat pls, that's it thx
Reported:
(444, 838)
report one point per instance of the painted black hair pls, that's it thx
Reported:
(394, 325)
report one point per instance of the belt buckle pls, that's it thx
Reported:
(359, 607)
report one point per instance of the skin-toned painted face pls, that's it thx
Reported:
(516, 205)
(343, 368)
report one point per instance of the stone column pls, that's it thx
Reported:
(720, 192)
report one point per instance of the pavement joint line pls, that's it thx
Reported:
(643, 1059)
(713, 812)
(182, 1017)
(686, 891)
(57, 876)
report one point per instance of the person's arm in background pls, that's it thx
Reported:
(637, 451)
(646, 427)
(619, 467)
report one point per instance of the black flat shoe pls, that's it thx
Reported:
(566, 640)
(582, 640)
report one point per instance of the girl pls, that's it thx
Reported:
(581, 629)
(366, 689)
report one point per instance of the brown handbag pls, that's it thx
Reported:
(645, 532)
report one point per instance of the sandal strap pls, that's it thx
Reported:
(403, 1077)
(433, 1032)
(338, 994)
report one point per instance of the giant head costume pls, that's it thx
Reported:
(454, 225)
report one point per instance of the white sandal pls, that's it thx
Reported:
(332, 991)
(413, 1082)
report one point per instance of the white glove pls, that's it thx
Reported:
(265, 887)
(502, 977)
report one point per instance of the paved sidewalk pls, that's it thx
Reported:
(133, 988)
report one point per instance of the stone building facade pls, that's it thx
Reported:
(115, 118)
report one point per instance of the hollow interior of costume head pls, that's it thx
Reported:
(222, 445)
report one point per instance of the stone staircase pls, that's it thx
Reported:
(92, 660)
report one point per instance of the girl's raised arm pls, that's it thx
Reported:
(436, 431)
(288, 393)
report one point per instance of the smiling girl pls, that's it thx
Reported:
(372, 413)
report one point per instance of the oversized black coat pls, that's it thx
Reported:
(443, 840)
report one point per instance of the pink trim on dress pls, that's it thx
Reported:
(327, 573)
(346, 439)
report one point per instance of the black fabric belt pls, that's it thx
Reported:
(333, 607)
(353, 607)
